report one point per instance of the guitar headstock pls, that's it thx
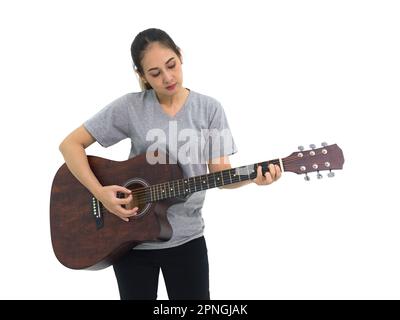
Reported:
(328, 157)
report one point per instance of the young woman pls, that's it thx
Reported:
(166, 115)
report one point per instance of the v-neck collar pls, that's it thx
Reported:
(159, 107)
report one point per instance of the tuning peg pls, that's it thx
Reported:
(306, 177)
(312, 146)
(324, 144)
(319, 176)
(301, 148)
(331, 174)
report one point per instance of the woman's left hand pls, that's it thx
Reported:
(270, 176)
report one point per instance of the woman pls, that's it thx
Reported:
(163, 115)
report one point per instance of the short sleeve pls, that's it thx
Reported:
(219, 140)
(111, 124)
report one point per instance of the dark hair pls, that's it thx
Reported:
(140, 44)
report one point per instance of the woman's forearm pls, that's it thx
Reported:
(76, 159)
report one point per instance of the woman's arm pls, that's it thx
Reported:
(73, 149)
(223, 163)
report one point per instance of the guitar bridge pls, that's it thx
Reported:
(96, 211)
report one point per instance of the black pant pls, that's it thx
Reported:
(185, 271)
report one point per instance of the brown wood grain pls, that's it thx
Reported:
(77, 243)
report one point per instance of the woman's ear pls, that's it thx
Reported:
(140, 76)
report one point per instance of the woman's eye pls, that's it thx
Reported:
(170, 66)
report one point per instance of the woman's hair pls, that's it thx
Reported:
(140, 44)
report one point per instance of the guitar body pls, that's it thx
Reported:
(84, 235)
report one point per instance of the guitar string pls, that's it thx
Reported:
(144, 190)
(144, 194)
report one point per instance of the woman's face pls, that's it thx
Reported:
(162, 69)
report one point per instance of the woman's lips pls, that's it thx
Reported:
(171, 87)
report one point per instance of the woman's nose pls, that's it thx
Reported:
(167, 77)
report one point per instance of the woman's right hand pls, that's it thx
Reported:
(107, 195)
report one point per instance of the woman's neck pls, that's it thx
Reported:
(175, 100)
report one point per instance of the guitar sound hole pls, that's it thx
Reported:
(139, 198)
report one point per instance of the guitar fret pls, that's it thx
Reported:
(186, 186)
(248, 172)
(159, 191)
(187, 189)
(171, 188)
(205, 182)
(198, 186)
(166, 190)
(189, 182)
(219, 179)
(176, 188)
(228, 174)
(181, 188)
(241, 173)
(234, 176)
(192, 187)
(197, 183)
(201, 183)
(225, 177)
(163, 190)
(210, 177)
(238, 174)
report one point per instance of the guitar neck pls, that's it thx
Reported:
(186, 186)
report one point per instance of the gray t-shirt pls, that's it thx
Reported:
(198, 133)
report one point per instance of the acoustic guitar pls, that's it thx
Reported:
(85, 236)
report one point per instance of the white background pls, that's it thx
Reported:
(286, 72)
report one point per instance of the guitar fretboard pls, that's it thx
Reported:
(186, 186)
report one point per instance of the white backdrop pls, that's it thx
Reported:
(286, 72)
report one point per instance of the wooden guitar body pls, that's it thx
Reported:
(84, 235)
